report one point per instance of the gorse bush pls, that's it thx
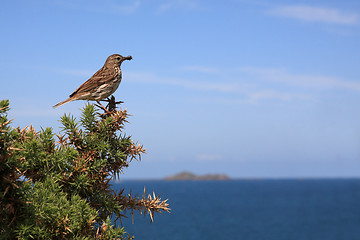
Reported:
(58, 186)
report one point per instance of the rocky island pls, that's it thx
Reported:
(193, 177)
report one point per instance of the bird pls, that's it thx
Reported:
(102, 84)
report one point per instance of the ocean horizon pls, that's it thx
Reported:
(125, 179)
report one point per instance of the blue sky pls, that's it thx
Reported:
(247, 88)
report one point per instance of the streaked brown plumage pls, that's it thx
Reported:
(102, 84)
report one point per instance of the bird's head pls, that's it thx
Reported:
(116, 59)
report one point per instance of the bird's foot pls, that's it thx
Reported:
(112, 103)
(106, 111)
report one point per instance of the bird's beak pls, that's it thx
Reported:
(128, 58)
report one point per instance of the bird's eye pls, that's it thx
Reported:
(118, 58)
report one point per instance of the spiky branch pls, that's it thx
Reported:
(58, 186)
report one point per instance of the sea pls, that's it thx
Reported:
(272, 209)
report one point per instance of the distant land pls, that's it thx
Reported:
(193, 177)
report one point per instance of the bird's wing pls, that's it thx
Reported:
(100, 77)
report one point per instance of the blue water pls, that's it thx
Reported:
(261, 209)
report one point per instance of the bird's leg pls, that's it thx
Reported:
(108, 100)
(104, 108)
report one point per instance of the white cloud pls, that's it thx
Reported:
(203, 86)
(209, 157)
(307, 81)
(108, 6)
(245, 94)
(315, 14)
(178, 4)
(275, 95)
(127, 9)
(252, 85)
(200, 69)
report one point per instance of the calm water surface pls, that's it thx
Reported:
(260, 209)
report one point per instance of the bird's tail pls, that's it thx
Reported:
(63, 102)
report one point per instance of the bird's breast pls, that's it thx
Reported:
(118, 76)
